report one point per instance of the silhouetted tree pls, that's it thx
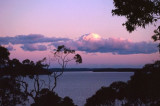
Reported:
(49, 98)
(121, 90)
(63, 55)
(156, 36)
(15, 90)
(33, 70)
(4, 57)
(14, 67)
(67, 102)
(142, 89)
(104, 97)
(139, 13)
(10, 92)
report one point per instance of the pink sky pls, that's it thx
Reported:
(74, 19)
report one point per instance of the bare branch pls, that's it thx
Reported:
(61, 55)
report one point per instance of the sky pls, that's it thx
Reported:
(33, 28)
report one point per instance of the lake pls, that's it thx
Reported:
(81, 85)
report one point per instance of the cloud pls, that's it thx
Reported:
(10, 47)
(29, 39)
(89, 43)
(92, 43)
(33, 47)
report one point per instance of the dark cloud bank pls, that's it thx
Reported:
(29, 39)
(33, 47)
(89, 43)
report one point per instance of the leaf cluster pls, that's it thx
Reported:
(139, 13)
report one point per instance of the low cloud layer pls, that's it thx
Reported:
(33, 47)
(92, 43)
(28, 42)
(89, 43)
(29, 39)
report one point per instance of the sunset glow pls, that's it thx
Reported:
(33, 28)
(92, 37)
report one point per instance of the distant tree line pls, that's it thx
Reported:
(15, 67)
(26, 67)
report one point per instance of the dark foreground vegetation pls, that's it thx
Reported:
(142, 89)
(26, 67)
(15, 90)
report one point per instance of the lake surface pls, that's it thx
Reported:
(81, 85)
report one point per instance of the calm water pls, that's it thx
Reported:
(81, 85)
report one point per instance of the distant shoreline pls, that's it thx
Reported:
(96, 69)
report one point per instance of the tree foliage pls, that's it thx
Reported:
(14, 89)
(156, 36)
(10, 92)
(139, 13)
(63, 56)
(103, 97)
(62, 53)
(143, 88)
(4, 57)
(50, 98)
